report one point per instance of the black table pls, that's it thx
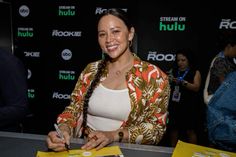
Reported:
(27, 145)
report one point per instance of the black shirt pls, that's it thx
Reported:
(13, 92)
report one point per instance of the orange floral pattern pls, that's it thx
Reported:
(149, 92)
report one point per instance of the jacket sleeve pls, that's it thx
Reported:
(150, 123)
(72, 114)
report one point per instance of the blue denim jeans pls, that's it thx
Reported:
(221, 115)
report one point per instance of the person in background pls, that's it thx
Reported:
(117, 99)
(221, 117)
(13, 92)
(185, 80)
(222, 64)
(220, 97)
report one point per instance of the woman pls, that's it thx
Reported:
(120, 98)
(184, 98)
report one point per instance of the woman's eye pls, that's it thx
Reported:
(101, 34)
(115, 31)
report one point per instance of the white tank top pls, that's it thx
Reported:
(108, 108)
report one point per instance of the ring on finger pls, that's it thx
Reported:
(95, 138)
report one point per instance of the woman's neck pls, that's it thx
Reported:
(122, 65)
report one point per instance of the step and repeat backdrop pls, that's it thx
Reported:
(57, 39)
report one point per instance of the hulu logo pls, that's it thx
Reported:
(25, 33)
(68, 12)
(66, 75)
(31, 94)
(171, 27)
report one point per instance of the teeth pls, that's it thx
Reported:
(111, 47)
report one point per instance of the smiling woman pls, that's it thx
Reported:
(120, 98)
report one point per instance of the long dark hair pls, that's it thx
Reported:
(102, 65)
(121, 14)
(100, 71)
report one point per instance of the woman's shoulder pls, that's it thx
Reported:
(150, 68)
(219, 62)
(143, 63)
(91, 67)
(151, 65)
(93, 64)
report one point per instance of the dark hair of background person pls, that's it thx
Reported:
(190, 55)
(226, 37)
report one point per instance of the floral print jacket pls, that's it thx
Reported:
(149, 92)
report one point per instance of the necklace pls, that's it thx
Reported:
(123, 69)
(118, 72)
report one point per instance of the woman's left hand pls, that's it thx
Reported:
(98, 140)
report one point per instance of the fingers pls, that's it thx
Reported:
(94, 138)
(54, 142)
(101, 145)
(97, 140)
(67, 137)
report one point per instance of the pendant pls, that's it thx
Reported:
(118, 72)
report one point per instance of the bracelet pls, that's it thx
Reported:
(121, 135)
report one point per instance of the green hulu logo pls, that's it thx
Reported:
(171, 27)
(68, 12)
(66, 77)
(31, 94)
(25, 34)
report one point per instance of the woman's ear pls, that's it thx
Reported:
(131, 33)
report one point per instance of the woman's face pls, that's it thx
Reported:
(182, 62)
(114, 36)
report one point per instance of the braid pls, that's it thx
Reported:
(100, 71)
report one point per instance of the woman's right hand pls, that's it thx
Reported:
(55, 143)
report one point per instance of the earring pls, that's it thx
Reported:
(130, 43)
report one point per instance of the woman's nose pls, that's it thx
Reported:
(109, 37)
